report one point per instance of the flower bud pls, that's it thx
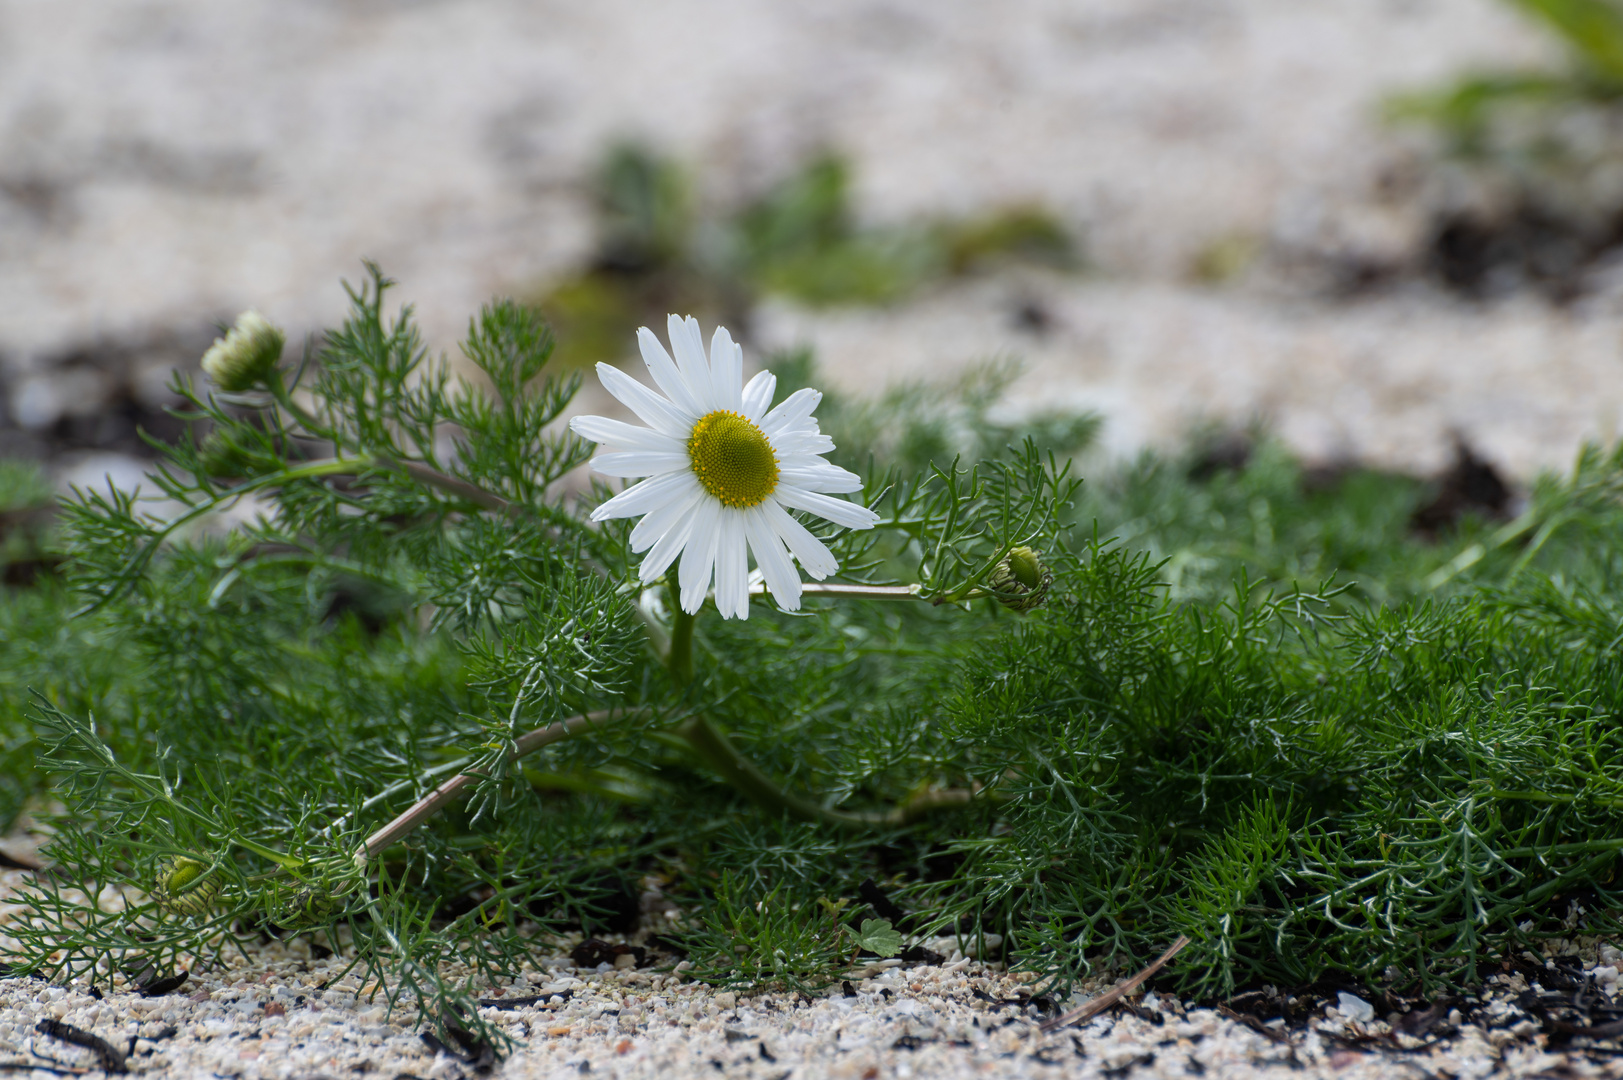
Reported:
(310, 907)
(1020, 581)
(184, 887)
(245, 356)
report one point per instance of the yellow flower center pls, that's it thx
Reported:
(732, 459)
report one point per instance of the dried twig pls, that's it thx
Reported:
(1253, 1023)
(452, 789)
(1090, 1009)
(111, 1060)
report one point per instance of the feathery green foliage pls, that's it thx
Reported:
(1253, 709)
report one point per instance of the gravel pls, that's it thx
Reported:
(278, 1013)
(288, 1011)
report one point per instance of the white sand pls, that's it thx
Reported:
(168, 163)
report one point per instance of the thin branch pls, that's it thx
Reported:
(462, 489)
(453, 789)
(717, 751)
(862, 592)
(1090, 1009)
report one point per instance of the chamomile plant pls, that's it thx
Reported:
(420, 599)
(465, 673)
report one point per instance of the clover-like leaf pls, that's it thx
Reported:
(879, 937)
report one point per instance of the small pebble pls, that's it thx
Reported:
(1355, 1008)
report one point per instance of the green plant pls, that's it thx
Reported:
(754, 941)
(422, 707)
(403, 616)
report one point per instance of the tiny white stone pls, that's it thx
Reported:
(37, 404)
(1354, 1008)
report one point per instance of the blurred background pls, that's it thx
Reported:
(1374, 228)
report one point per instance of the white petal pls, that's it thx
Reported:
(758, 395)
(802, 461)
(643, 497)
(663, 518)
(688, 344)
(699, 558)
(795, 408)
(801, 443)
(814, 557)
(780, 574)
(666, 374)
(726, 369)
(641, 463)
(654, 410)
(820, 477)
(732, 566)
(606, 432)
(667, 549)
(838, 511)
(806, 426)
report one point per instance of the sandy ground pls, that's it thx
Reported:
(287, 1012)
(1386, 379)
(164, 164)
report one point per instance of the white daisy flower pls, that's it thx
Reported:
(723, 472)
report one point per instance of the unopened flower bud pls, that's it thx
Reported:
(1020, 581)
(310, 907)
(241, 360)
(184, 887)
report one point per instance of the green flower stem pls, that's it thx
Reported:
(462, 489)
(974, 589)
(286, 862)
(646, 609)
(1506, 534)
(717, 751)
(1582, 847)
(1547, 797)
(284, 397)
(679, 658)
(453, 789)
(1542, 521)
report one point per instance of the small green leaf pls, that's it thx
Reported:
(833, 907)
(879, 937)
